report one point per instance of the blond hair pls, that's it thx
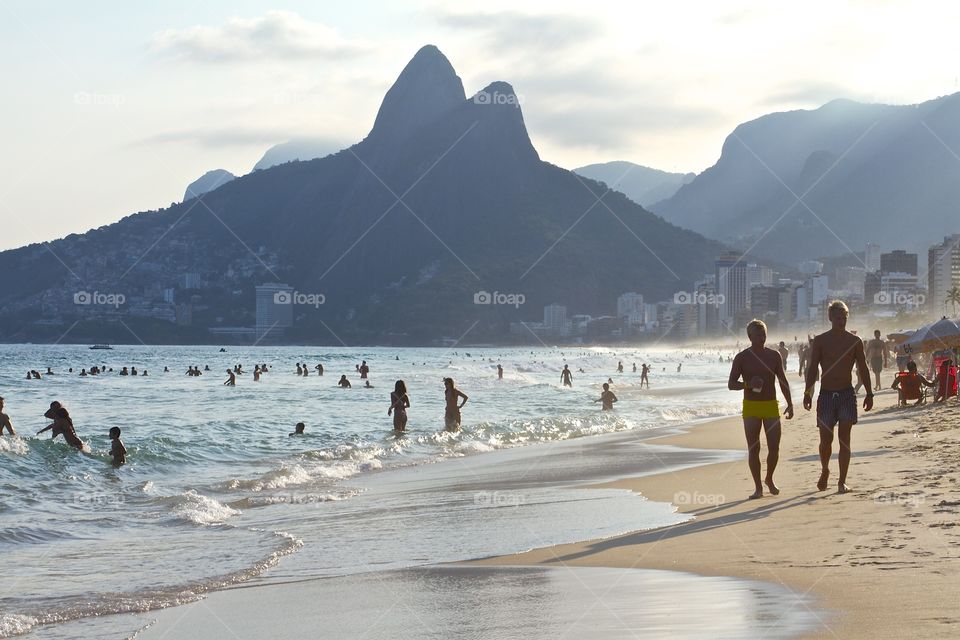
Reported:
(756, 324)
(837, 305)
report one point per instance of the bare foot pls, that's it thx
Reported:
(756, 494)
(774, 489)
(842, 488)
(822, 483)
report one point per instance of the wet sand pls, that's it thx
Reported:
(884, 557)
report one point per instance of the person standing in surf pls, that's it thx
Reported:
(399, 403)
(836, 352)
(607, 397)
(5, 421)
(451, 418)
(566, 377)
(754, 372)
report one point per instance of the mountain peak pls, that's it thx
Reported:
(426, 88)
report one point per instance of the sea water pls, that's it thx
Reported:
(215, 492)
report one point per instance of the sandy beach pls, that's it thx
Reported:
(884, 560)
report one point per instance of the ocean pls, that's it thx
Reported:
(216, 493)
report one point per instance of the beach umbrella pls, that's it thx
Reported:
(942, 334)
(899, 337)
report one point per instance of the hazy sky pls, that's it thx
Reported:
(113, 107)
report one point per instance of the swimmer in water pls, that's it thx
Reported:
(344, 383)
(299, 429)
(117, 451)
(231, 380)
(452, 416)
(607, 398)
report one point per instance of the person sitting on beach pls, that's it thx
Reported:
(910, 385)
(566, 376)
(117, 451)
(836, 352)
(5, 421)
(231, 380)
(607, 398)
(451, 418)
(399, 403)
(299, 429)
(344, 383)
(754, 371)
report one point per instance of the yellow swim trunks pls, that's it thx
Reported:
(761, 409)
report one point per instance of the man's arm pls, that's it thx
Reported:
(810, 379)
(736, 372)
(864, 371)
(785, 388)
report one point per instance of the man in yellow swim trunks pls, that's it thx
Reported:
(754, 370)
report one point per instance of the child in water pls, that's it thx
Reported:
(117, 451)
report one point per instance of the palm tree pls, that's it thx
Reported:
(953, 298)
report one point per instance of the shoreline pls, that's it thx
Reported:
(881, 559)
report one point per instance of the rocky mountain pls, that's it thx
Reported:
(643, 185)
(821, 182)
(207, 182)
(445, 197)
(300, 149)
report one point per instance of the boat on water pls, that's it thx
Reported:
(104, 347)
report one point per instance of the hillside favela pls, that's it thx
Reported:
(480, 320)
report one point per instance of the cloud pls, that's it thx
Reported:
(514, 30)
(220, 137)
(276, 34)
(807, 94)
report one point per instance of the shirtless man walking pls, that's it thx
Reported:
(836, 352)
(878, 355)
(5, 421)
(754, 371)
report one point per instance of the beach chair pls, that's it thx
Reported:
(946, 380)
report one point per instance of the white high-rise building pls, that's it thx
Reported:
(943, 273)
(274, 307)
(871, 257)
(631, 310)
(555, 319)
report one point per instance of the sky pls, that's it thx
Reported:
(111, 107)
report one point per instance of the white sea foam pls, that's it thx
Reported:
(15, 625)
(199, 509)
(15, 444)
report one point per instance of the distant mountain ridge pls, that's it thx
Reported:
(209, 181)
(865, 172)
(643, 185)
(445, 197)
